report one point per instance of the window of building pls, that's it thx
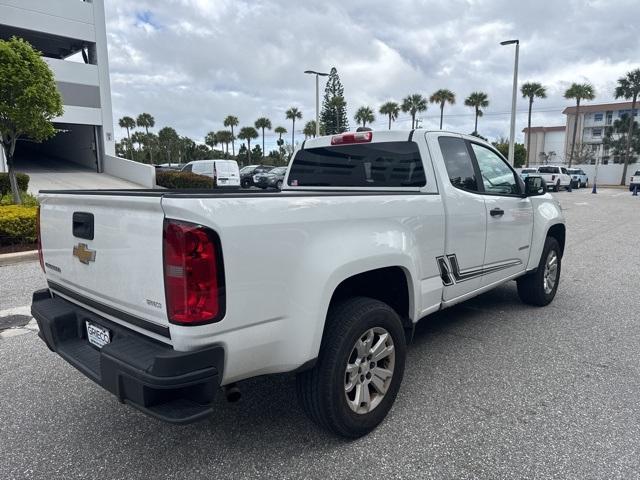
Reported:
(596, 132)
(597, 117)
(458, 162)
(609, 120)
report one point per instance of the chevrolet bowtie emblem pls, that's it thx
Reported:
(84, 254)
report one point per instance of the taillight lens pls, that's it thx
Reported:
(193, 273)
(39, 240)
(351, 137)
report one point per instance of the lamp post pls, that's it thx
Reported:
(318, 75)
(512, 130)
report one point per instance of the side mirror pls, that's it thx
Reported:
(534, 186)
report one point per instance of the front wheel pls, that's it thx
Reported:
(359, 369)
(539, 288)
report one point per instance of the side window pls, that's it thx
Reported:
(188, 167)
(564, 170)
(497, 177)
(458, 162)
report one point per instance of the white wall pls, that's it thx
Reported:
(140, 173)
(609, 174)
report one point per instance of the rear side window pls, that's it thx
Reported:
(548, 170)
(384, 164)
(458, 162)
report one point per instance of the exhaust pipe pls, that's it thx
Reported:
(232, 392)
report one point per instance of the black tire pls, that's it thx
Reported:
(246, 183)
(321, 390)
(531, 287)
(556, 188)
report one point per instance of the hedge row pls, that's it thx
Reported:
(5, 186)
(17, 224)
(176, 180)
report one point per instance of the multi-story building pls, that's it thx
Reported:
(547, 144)
(591, 129)
(71, 35)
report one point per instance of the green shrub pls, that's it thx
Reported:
(28, 200)
(5, 186)
(177, 180)
(17, 224)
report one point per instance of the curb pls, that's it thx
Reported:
(18, 257)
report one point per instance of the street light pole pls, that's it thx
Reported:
(318, 75)
(512, 129)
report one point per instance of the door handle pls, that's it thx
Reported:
(496, 212)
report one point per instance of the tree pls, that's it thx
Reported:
(146, 121)
(292, 114)
(391, 109)
(531, 90)
(168, 140)
(413, 104)
(137, 138)
(364, 115)
(261, 124)
(211, 139)
(280, 131)
(578, 91)
(29, 100)
(333, 116)
(248, 133)
(629, 88)
(617, 138)
(129, 124)
(309, 129)
(442, 97)
(256, 152)
(225, 136)
(519, 152)
(477, 100)
(232, 121)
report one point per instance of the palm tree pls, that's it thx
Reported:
(262, 123)
(442, 97)
(531, 90)
(413, 104)
(247, 133)
(337, 103)
(292, 114)
(146, 121)
(364, 115)
(137, 139)
(477, 100)
(309, 129)
(232, 121)
(211, 139)
(392, 109)
(224, 136)
(629, 88)
(280, 131)
(578, 91)
(128, 123)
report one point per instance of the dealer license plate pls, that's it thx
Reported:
(98, 336)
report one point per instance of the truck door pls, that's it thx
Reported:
(509, 217)
(466, 219)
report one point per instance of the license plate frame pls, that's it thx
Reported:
(97, 335)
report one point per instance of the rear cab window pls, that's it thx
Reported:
(372, 165)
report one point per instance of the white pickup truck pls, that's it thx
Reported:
(162, 297)
(555, 177)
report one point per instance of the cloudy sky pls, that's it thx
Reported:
(192, 62)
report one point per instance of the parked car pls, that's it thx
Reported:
(525, 172)
(578, 177)
(555, 177)
(247, 173)
(170, 166)
(274, 178)
(161, 297)
(225, 172)
(634, 181)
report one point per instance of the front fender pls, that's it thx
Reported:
(547, 212)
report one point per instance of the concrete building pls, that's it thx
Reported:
(591, 125)
(547, 144)
(71, 34)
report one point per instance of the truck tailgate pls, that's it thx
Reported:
(117, 268)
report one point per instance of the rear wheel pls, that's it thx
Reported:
(557, 187)
(539, 288)
(246, 183)
(359, 369)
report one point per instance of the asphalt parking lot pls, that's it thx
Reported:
(493, 389)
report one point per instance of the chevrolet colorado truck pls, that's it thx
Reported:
(162, 297)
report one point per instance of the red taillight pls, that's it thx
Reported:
(39, 240)
(351, 137)
(193, 273)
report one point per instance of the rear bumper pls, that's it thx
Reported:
(177, 387)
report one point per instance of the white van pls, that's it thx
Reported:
(226, 172)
